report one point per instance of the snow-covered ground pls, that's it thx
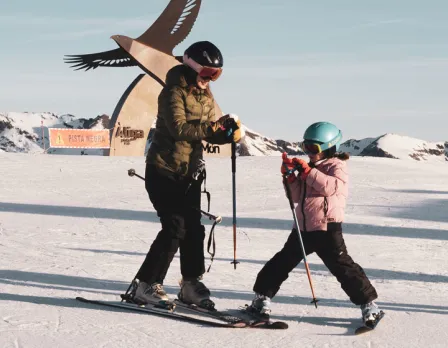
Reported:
(80, 226)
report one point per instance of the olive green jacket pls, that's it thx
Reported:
(184, 119)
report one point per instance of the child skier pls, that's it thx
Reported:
(320, 190)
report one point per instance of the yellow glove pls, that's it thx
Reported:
(227, 128)
(233, 122)
(237, 132)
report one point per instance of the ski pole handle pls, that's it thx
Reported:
(131, 172)
(288, 172)
(216, 218)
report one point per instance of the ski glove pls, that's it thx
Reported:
(230, 127)
(288, 165)
(302, 166)
(237, 133)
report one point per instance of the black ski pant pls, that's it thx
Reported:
(330, 247)
(181, 227)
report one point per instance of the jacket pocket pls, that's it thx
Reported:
(330, 211)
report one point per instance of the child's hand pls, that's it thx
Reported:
(287, 165)
(304, 167)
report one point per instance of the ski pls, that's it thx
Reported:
(254, 323)
(370, 325)
(163, 312)
(262, 320)
(228, 321)
(213, 313)
(177, 304)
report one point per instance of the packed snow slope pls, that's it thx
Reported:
(80, 226)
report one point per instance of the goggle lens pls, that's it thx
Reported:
(311, 148)
(208, 73)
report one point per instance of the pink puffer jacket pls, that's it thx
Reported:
(322, 197)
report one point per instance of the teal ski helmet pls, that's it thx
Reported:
(321, 136)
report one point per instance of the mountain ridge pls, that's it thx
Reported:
(22, 132)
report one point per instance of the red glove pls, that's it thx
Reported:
(304, 168)
(287, 164)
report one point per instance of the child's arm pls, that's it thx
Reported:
(328, 185)
(292, 181)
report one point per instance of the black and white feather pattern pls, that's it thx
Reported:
(114, 58)
(171, 28)
(186, 12)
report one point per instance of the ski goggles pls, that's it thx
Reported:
(205, 72)
(311, 148)
(208, 73)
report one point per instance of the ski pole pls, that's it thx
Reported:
(217, 218)
(131, 172)
(234, 262)
(291, 203)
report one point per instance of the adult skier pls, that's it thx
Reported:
(174, 172)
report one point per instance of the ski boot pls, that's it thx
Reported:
(260, 306)
(143, 293)
(370, 313)
(194, 292)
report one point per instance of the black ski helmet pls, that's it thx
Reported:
(204, 53)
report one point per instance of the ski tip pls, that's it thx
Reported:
(239, 324)
(274, 325)
(362, 329)
(279, 325)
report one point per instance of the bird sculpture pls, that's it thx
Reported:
(152, 51)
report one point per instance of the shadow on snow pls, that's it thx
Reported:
(77, 284)
(244, 222)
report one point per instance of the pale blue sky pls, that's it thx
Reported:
(371, 67)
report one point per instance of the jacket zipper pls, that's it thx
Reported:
(303, 207)
(325, 207)
(202, 111)
(199, 99)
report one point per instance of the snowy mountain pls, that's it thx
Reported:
(255, 144)
(356, 147)
(22, 132)
(397, 146)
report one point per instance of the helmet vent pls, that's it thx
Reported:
(205, 54)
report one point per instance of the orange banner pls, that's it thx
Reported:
(79, 138)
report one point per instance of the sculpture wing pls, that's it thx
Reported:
(172, 26)
(114, 58)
